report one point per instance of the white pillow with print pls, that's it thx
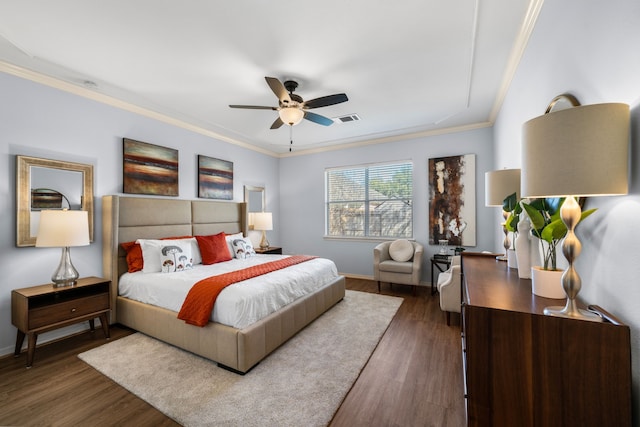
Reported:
(175, 256)
(243, 248)
(151, 252)
(230, 238)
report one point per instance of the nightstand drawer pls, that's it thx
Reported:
(54, 313)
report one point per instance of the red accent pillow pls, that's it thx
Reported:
(213, 248)
(135, 262)
(134, 256)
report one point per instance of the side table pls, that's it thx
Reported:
(436, 263)
(270, 250)
(43, 308)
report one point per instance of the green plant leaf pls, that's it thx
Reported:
(555, 230)
(553, 205)
(509, 203)
(537, 220)
(512, 223)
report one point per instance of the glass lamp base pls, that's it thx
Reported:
(66, 274)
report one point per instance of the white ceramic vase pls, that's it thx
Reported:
(524, 248)
(512, 260)
(547, 283)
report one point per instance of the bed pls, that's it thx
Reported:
(129, 218)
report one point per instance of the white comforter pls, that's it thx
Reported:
(238, 305)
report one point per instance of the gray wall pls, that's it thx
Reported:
(40, 121)
(302, 196)
(590, 49)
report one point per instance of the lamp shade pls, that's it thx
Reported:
(63, 228)
(580, 151)
(499, 184)
(262, 221)
(291, 115)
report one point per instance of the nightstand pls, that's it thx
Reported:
(43, 308)
(270, 250)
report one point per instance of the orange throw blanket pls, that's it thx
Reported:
(197, 307)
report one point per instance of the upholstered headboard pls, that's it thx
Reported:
(126, 219)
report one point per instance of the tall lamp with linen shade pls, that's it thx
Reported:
(498, 185)
(263, 221)
(63, 229)
(581, 151)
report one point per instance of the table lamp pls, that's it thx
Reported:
(575, 152)
(498, 185)
(63, 229)
(263, 221)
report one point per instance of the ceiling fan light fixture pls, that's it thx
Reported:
(291, 115)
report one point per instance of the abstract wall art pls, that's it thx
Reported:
(452, 200)
(215, 178)
(149, 169)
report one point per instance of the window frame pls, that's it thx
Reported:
(399, 164)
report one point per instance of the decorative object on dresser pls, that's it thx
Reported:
(43, 308)
(215, 178)
(590, 146)
(263, 221)
(149, 169)
(63, 229)
(523, 368)
(498, 185)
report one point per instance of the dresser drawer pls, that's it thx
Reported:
(66, 310)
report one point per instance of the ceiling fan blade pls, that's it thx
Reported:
(277, 123)
(254, 107)
(317, 118)
(278, 88)
(326, 100)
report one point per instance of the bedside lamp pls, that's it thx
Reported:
(497, 186)
(63, 229)
(575, 152)
(263, 221)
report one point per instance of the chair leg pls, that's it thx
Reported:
(448, 318)
(378, 286)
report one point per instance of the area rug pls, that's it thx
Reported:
(302, 383)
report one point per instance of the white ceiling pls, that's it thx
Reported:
(409, 67)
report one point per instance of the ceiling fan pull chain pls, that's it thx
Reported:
(290, 137)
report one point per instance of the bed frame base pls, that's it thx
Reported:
(129, 218)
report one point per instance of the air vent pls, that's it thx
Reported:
(348, 118)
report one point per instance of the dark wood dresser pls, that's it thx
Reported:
(523, 368)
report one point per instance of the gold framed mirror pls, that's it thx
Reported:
(49, 184)
(255, 199)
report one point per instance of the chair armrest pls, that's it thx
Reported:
(381, 252)
(450, 291)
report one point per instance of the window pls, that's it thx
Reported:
(370, 201)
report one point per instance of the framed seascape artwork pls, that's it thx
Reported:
(215, 178)
(149, 169)
(452, 200)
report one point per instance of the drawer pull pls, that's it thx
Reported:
(73, 310)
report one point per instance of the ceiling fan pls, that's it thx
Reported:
(292, 108)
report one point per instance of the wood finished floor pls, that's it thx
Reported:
(414, 378)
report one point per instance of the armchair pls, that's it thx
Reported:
(449, 289)
(404, 268)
